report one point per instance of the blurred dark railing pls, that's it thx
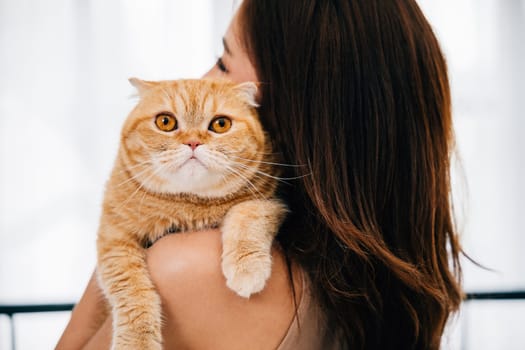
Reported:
(11, 310)
(511, 295)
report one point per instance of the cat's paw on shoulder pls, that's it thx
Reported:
(247, 273)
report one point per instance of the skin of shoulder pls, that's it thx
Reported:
(201, 312)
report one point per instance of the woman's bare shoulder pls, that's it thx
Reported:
(201, 312)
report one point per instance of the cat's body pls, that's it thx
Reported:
(193, 155)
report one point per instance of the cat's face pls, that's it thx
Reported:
(200, 137)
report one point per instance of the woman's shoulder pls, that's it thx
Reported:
(201, 312)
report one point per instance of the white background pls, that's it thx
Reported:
(64, 94)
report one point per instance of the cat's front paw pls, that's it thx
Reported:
(246, 272)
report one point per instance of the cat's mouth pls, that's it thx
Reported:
(193, 161)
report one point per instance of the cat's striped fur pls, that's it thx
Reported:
(189, 178)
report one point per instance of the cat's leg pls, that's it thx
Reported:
(248, 231)
(136, 306)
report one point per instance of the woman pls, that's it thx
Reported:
(357, 91)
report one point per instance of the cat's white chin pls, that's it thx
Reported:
(193, 177)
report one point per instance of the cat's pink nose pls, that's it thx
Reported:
(193, 144)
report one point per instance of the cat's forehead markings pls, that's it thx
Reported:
(183, 98)
(179, 105)
(167, 95)
(156, 104)
(207, 103)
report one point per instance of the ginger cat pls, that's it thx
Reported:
(193, 155)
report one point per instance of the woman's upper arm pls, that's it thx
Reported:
(87, 318)
(200, 312)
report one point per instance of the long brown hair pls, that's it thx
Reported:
(357, 91)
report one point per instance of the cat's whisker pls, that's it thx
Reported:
(278, 178)
(164, 160)
(167, 157)
(127, 168)
(259, 177)
(171, 158)
(224, 161)
(148, 163)
(230, 152)
(141, 184)
(170, 152)
(270, 163)
(135, 177)
(252, 186)
(245, 179)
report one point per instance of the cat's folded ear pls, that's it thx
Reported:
(248, 92)
(141, 85)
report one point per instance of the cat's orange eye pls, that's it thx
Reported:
(166, 122)
(220, 124)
